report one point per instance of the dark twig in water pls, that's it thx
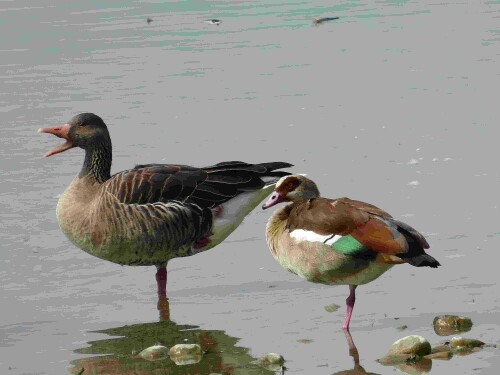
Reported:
(319, 21)
(149, 20)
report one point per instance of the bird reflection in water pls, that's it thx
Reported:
(119, 355)
(353, 352)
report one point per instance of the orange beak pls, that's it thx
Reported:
(61, 132)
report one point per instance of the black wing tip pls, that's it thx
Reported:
(423, 260)
(271, 166)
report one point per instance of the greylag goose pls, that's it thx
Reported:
(152, 213)
(338, 241)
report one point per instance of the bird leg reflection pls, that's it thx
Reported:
(161, 283)
(353, 351)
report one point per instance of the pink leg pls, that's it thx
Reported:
(350, 305)
(161, 283)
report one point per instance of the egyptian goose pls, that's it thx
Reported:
(154, 212)
(338, 241)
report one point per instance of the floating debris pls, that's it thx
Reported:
(413, 162)
(271, 361)
(332, 308)
(305, 341)
(402, 328)
(445, 325)
(414, 183)
(154, 353)
(319, 21)
(149, 20)
(214, 21)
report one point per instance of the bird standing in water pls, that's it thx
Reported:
(152, 213)
(338, 241)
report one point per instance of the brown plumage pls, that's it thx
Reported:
(152, 213)
(338, 241)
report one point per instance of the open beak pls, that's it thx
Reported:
(275, 198)
(61, 132)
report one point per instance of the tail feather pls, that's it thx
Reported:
(423, 260)
(228, 179)
(271, 166)
(416, 255)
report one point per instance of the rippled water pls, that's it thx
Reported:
(395, 103)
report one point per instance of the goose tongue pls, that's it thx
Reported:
(61, 132)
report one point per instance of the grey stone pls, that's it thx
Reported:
(411, 345)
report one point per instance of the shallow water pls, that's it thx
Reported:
(395, 103)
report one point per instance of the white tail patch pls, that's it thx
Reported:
(234, 211)
(309, 235)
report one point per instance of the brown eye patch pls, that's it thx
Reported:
(288, 185)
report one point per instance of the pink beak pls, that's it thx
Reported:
(61, 132)
(275, 198)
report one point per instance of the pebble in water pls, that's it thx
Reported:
(450, 324)
(414, 344)
(332, 308)
(154, 353)
(185, 354)
(271, 361)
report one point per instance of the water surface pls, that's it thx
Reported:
(395, 103)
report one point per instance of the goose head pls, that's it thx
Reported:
(292, 189)
(85, 130)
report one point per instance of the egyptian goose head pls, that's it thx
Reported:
(292, 188)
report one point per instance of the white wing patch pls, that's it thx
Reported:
(309, 235)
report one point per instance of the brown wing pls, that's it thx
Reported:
(367, 223)
(206, 187)
(155, 183)
(326, 216)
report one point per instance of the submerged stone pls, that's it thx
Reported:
(397, 359)
(185, 354)
(271, 361)
(411, 345)
(445, 325)
(440, 355)
(332, 308)
(154, 353)
(421, 367)
(440, 348)
(461, 342)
